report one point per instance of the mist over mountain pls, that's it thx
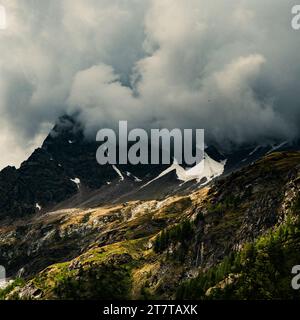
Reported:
(228, 67)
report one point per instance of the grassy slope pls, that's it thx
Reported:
(153, 263)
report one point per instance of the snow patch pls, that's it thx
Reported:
(118, 172)
(276, 147)
(207, 169)
(256, 149)
(252, 153)
(136, 179)
(76, 181)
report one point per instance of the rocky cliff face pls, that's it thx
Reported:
(192, 245)
(70, 228)
(63, 172)
(65, 163)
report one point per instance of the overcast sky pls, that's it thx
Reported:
(229, 66)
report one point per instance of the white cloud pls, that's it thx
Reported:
(228, 66)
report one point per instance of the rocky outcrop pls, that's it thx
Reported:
(151, 246)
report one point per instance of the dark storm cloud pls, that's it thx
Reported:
(230, 67)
